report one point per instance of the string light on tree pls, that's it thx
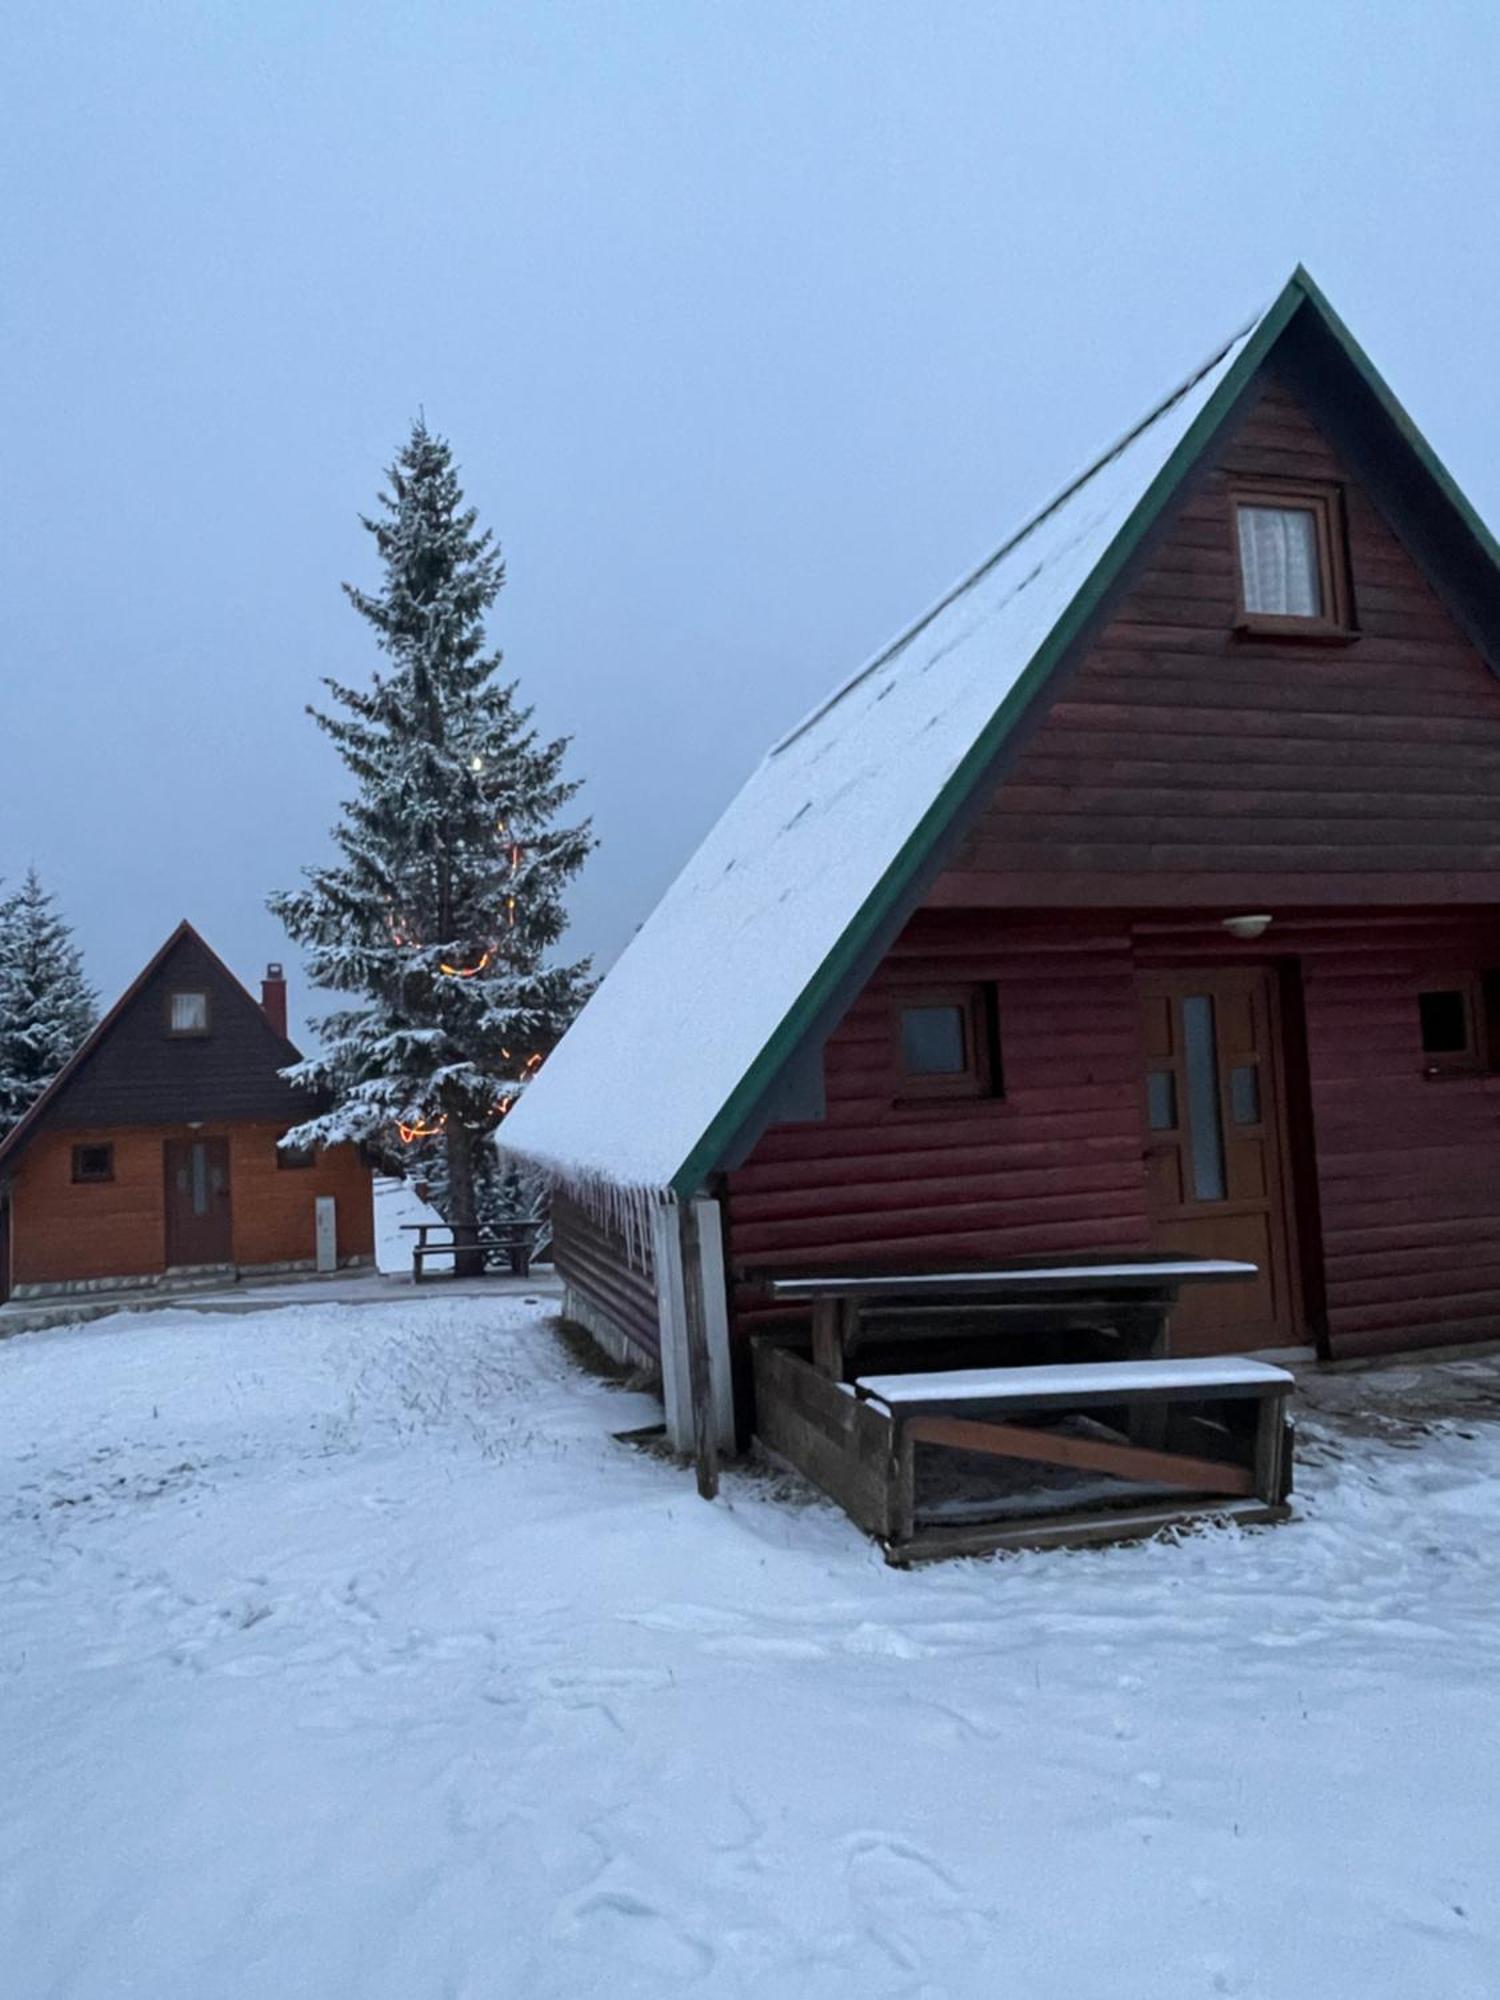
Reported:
(457, 818)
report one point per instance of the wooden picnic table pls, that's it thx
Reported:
(1131, 1298)
(512, 1242)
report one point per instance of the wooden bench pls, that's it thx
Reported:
(1169, 1440)
(1127, 1302)
(503, 1245)
(976, 1410)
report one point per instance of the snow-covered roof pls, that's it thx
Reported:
(723, 960)
(817, 852)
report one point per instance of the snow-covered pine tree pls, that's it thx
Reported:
(46, 1004)
(441, 915)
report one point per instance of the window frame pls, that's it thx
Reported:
(1479, 1054)
(104, 1146)
(187, 1034)
(982, 1075)
(1325, 502)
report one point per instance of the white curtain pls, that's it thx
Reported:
(1279, 561)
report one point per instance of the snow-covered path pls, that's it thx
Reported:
(343, 1654)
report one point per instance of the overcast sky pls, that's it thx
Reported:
(752, 326)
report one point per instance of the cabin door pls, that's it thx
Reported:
(198, 1228)
(1218, 1175)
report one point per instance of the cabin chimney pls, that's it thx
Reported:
(273, 998)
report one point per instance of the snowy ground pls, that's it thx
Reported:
(344, 1654)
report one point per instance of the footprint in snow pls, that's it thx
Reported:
(911, 1908)
(624, 1926)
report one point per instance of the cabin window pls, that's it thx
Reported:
(1289, 545)
(948, 1043)
(1459, 1022)
(291, 1158)
(187, 1012)
(93, 1163)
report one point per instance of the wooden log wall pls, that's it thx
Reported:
(1353, 789)
(1400, 1172)
(594, 1262)
(1187, 764)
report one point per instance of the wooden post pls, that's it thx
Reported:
(705, 1443)
(827, 1346)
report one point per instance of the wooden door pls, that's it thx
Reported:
(198, 1222)
(1218, 1174)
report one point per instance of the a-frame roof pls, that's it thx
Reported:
(833, 839)
(51, 1106)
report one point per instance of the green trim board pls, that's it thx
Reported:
(1299, 291)
(785, 908)
(892, 889)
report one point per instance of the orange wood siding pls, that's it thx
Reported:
(116, 1229)
(273, 1206)
(1184, 765)
(113, 1230)
(1404, 1169)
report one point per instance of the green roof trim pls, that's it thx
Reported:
(895, 886)
(1404, 422)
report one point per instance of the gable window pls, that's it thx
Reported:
(1289, 547)
(187, 1012)
(947, 1043)
(93, 1163)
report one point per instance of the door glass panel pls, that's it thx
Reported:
(200, 1179)
(1244, 1094)
(1204, 1122)
(1161, 1100)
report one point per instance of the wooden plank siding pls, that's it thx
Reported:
(1182, 763)
(140, 1075)
(1052, 1168)
(595, 1262)
(1181, 772)
(1403, 1168)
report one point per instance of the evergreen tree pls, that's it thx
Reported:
(46, 1004)
(440, 915)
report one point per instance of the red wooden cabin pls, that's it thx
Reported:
(1143, 896)
(154, 1154)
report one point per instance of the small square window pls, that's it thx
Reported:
(1447, 1029)
(293, 1157)
(93, 1163)
(1449, 1018)
(948, 1043)
(187, 1013)
(1289, 552)
(935, 1040)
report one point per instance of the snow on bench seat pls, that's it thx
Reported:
(1042, 1276)
(1074, 1379)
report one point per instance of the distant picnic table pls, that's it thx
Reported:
(505, 1245)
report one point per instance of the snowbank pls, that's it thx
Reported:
(343, 1653)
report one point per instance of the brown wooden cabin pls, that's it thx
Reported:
(153, 1155)
(1186, 939)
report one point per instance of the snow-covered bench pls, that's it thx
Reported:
(1078, 1452)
